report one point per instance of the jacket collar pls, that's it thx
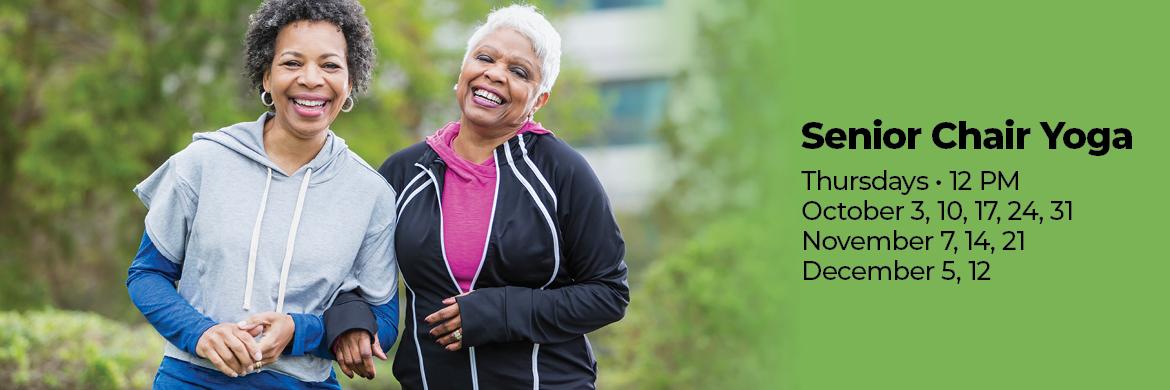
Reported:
(517, 147)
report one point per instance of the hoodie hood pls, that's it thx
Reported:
(247, 139)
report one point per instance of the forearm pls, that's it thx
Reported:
(351, 312)
(387, 319)
(151, 285)
(510, 314)
(348, 312)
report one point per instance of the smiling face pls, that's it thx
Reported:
(308, 78)
(498, 84)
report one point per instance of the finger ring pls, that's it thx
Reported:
(457, 334)
(259, 364)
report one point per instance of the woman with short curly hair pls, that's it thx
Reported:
(253, 230)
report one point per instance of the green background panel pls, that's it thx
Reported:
(1084, 306)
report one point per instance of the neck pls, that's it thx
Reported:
(289, 151)
(475, 143)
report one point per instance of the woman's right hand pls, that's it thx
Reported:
(231, 348)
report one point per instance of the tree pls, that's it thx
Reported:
(100, 92)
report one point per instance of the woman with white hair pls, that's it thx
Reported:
(506, 241)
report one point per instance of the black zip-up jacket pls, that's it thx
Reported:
(552, 272)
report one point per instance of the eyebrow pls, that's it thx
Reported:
(520, 59)
(298, 54)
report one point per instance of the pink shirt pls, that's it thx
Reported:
(468, 196)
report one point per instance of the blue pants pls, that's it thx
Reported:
(178, 374)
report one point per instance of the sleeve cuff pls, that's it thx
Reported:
(349, 312)
(387, 318)
(307, 334)
(192, 342)
(486, 316)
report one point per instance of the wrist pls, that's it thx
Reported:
(287, 322)
(190, 344)
(192, 347)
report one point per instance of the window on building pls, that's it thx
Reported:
(636, 109)
(604, 4)
(608, 4)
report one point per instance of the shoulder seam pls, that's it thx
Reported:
(371, 169)
(187, 190)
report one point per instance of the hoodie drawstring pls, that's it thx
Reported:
(289, 244)
(256, 243)
(292, 239)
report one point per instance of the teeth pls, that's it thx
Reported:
(489, 96)
(309, 103)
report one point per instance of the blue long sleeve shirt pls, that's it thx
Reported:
(151, 283)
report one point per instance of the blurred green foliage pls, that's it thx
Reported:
(70, 350)
(73, 350)
(707, 313)
(384, 380)
(700, 317)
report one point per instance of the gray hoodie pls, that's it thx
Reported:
(251, 238)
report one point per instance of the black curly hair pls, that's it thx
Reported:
(273, 15)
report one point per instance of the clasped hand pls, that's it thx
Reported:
(242, 348)
(355, 352)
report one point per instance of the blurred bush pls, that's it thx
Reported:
(703, 317)
(72, 350)
(384, 379)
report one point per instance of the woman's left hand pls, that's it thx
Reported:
(448, 331)
(355, 354)
(278, 332)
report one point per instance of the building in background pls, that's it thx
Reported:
(632, 49)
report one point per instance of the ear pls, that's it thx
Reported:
(267, 83)
(540, 101)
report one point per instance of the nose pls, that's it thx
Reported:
(496, 73)
(310, 76)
